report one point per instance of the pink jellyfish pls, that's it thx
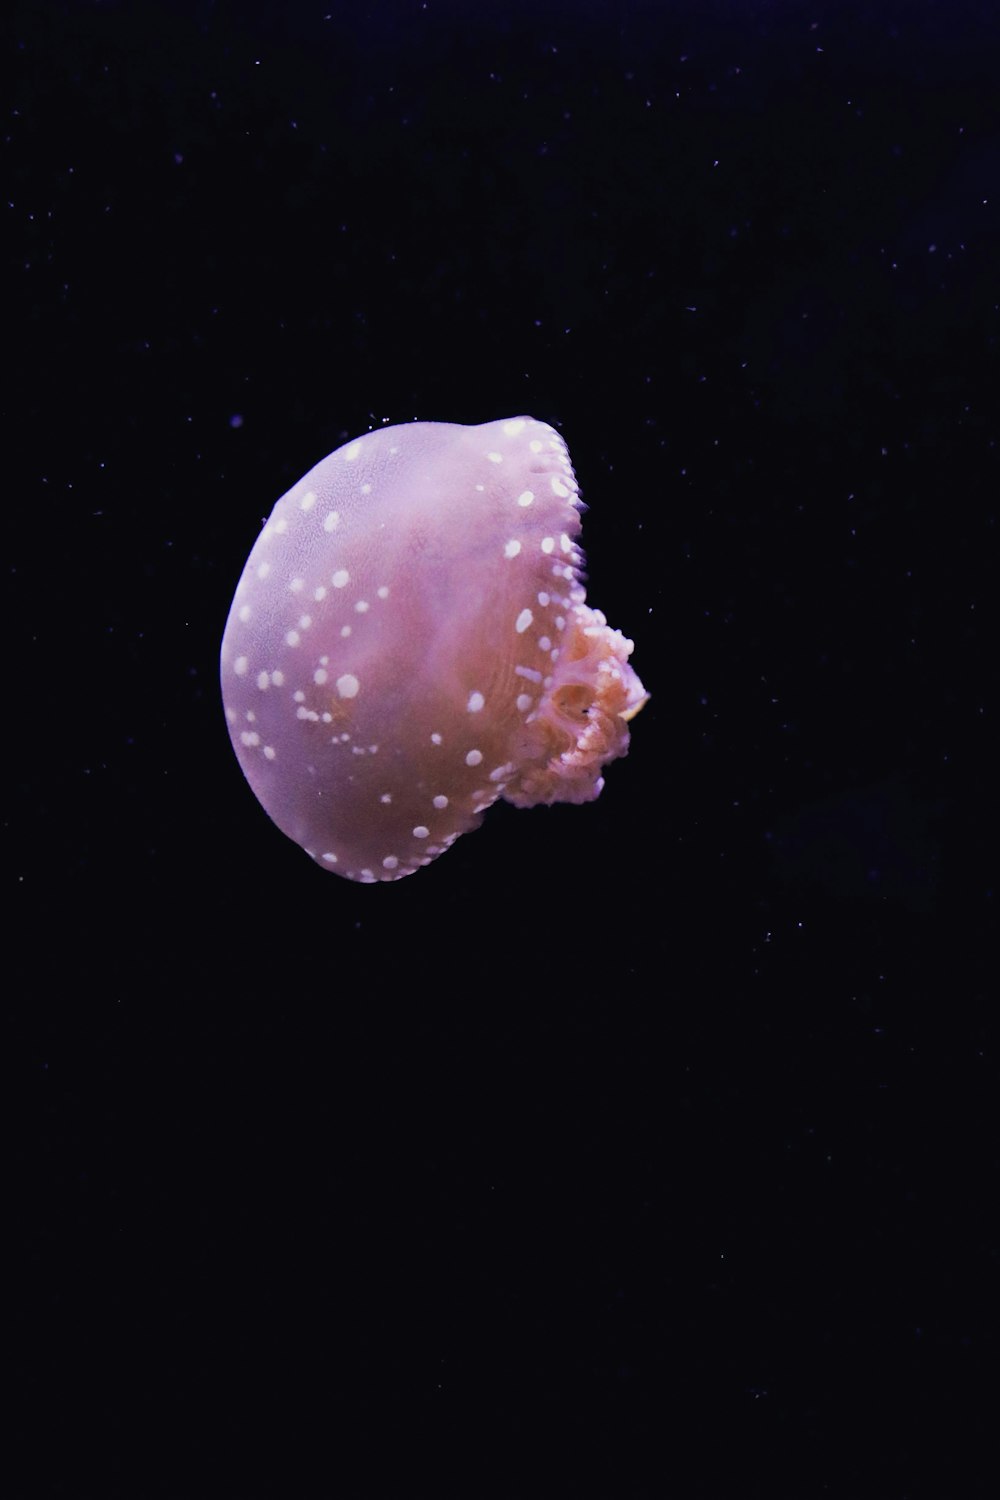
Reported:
(410, 641)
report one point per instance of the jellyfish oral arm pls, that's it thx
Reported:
(580, 723)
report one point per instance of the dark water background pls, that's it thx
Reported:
(645, 1149)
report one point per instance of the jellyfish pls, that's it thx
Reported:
(410, 640)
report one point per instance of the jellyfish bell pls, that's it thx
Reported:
(410, 640)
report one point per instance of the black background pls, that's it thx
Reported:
(641, 1149)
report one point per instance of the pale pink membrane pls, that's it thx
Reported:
(410, 641)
